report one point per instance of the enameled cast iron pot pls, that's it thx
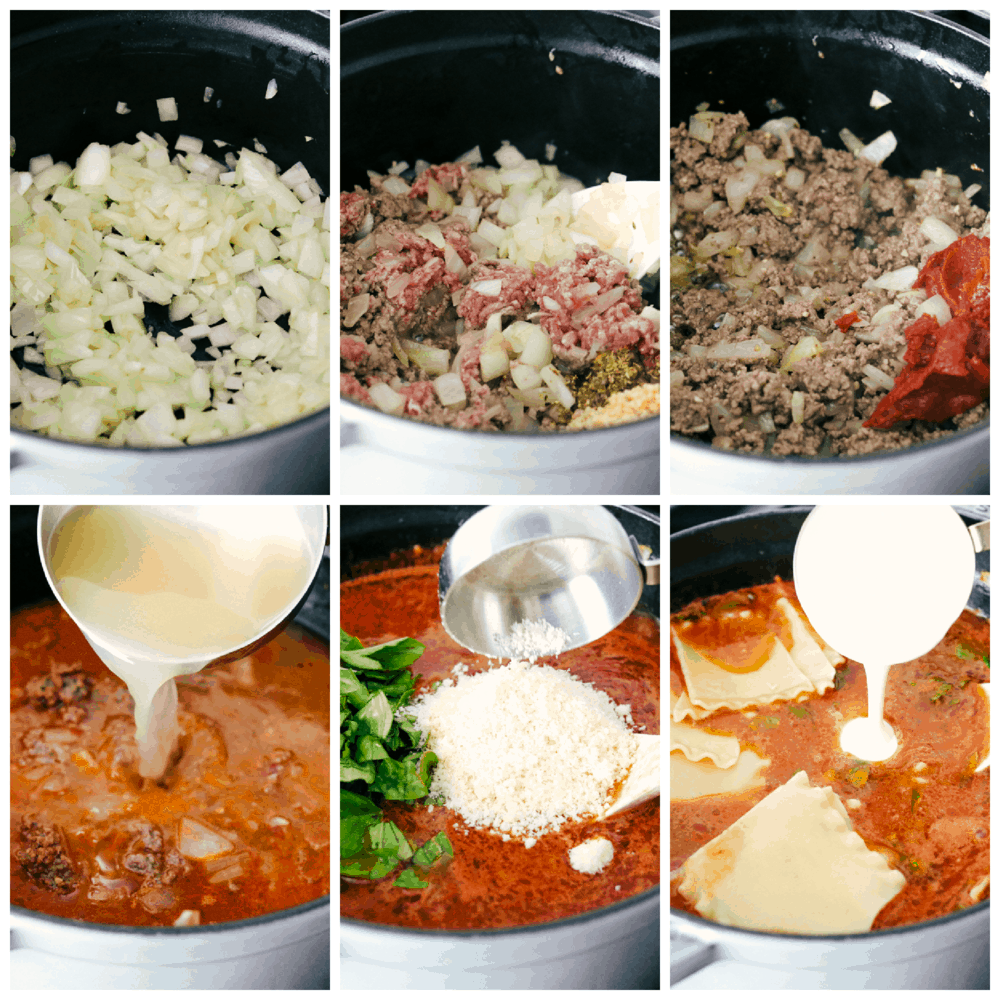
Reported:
(285, 950)
(433, 84)
(69, 70)
(914, 57)
(951, 952)
(617, 947)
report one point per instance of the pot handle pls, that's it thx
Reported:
(980, 536)
(688, 955)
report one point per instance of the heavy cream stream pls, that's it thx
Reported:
(163, 591)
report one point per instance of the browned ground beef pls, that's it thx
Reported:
(868, 224)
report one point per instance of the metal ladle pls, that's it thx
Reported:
(573, 567)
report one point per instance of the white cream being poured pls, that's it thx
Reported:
(882, 585)
(162, 591)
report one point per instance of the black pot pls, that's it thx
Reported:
(69, 70)
(433, 84)
(741, 551)
(741, 60)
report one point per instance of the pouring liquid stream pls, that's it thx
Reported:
(160, 592)
(882, 585)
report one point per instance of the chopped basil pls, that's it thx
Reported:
(381, 758)
(409, 879)
(799, 711)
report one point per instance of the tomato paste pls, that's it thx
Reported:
(947, 367)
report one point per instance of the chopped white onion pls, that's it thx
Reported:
(937, 307)
(939, 233)
(879, 149)
(895, 281)
(167, 109)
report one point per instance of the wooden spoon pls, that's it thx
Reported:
(643, 781)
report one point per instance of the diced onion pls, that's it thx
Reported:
(753, 349)
(879, 377)
(807, 347)
(450, 390)
(199, 842)
(798, 407)
(433, 360)
(272, 89)
(357, 306)
(879, 149)
(386, 399)
(167, 109)
(895, 281)
(939, 233)
(738, 188)
(493, 363)
(937, 307)
(715, 243)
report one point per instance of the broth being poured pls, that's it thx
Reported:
(162, 591)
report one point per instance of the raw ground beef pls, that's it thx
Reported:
(866, 223)
(414, 294)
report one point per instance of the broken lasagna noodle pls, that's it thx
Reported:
(773, 827)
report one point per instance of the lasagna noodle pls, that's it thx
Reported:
(696, 745)
(792, 864)
(710, 687)
(806, 652)
(696, 779)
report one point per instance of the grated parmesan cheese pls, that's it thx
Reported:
(523, 748)
(529, 640)
(592, 856)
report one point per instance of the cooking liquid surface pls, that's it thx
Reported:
(491, 883)
(162, 591)
(255, 767)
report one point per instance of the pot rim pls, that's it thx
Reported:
(641, 899)
(707, 927)
(384, 15)
(319, 418)
(364, 413)
(20, 914)
(691, 445)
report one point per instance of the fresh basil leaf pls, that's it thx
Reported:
(376, 716)
(387, 841)
(442, 839)
(369, 748)
(367, 866)
(404, 779)
(357, 814)
(350, 771)
(349, 642)
(409, 879)
(393, 656)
